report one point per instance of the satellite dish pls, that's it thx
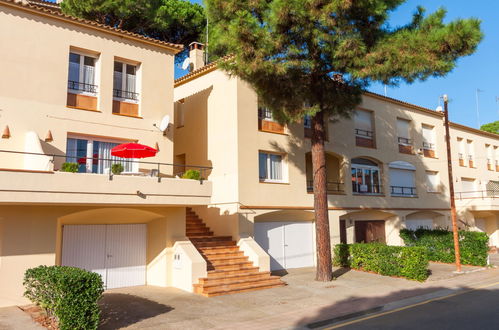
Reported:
(186, 63)
(164, 123)
(440, 109)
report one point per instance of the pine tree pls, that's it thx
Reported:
(492, 127)
(316, 57)
(176, 21)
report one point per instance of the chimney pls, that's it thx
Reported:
(196, 55)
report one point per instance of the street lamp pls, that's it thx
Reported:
(451, 185)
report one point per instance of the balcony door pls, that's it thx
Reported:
(366, 178)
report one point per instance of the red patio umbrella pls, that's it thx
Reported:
(133, 150)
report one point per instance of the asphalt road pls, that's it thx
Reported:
(477, 310)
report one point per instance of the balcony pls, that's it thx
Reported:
(461, 159)
(398, 191)
(405, 146)
(36, 178)
(480, 200)
(82, 95)
(429, 149)
(333, 188)
(125, 103)
(364, 138)
(470, 161)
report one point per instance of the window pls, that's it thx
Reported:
(490, 156)
(403, 136)
(366, 178)
(264, 113)
(364, 133)
(81, 76)
(402, 181)
(496, 158)
(468, 188)
(267, 123)
(462, 151)
(125, 82)
(270, 167)
(469, 152)
(432, 181)
(428, 141)
(94, 156)
(307, 122)
(180, 114)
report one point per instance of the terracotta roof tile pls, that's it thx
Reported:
(44, 9)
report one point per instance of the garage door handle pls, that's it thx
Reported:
(285, 244)
(109, 255)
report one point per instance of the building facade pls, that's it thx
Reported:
(386, 169)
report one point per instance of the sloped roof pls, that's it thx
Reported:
(45, 9)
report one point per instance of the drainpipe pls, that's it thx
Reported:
(451, 186)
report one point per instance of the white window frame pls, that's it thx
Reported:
(81, 71)
(368, 167)
(284, 170)
(123, 81)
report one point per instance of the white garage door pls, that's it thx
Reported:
(116, 252)
(289, 244)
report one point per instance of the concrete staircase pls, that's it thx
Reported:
(229, 270)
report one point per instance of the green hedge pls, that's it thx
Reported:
(67, 293)
(440, 245)
(408, 262)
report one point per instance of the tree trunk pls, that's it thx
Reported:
(324, 262)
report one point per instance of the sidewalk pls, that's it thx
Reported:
(302, 302)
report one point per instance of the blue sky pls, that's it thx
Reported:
(478, 71)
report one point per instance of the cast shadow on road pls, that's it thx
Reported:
(357, 306)
(120, 310)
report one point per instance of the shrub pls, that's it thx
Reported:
(67, 293)
(117, 168)
(408, 262)
(440, 245)
(70, 167)
(192, 174)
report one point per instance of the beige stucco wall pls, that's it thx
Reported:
(40, 228)
(33, 88)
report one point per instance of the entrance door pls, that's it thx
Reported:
(289, 244)
(370, 231)
(116, 252)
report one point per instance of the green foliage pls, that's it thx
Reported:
(70, 167)
(408, 262)
(324, 53)
(491, 127)
(67, 293)
(176, 21)
(440, 245)
(117, 168)
(192, 174)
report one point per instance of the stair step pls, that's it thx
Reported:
(231, 278)
(227, 260)
(242, 289)
(219, 255)
(230, 266)
(214, 244)
(210, 239)
(218, 249)
(243, 270)
(198, 233)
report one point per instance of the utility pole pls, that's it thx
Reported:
(451, 186)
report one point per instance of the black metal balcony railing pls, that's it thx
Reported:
(368, 189)
(403, 140)
(479, 194)
(428, 146)
(125, 94)
(460, 155)
(332, 187)
(83, 87)
(403, 191)
(154, 169)
(470, 157)
(364, 133)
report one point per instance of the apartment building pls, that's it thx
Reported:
(476, 179)
(386, 167)
(70, 90)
